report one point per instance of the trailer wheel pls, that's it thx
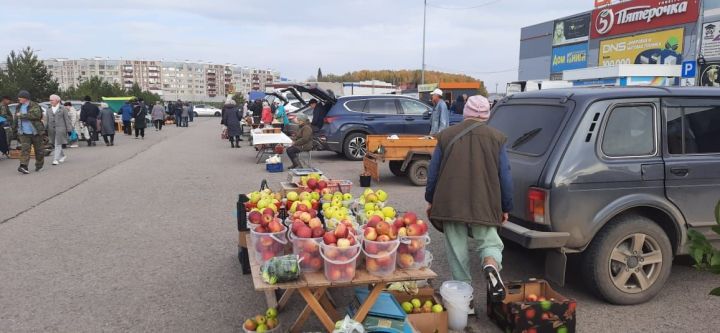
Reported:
(418, 172)
(395, 167)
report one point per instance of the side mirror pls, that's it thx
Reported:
(427, 114)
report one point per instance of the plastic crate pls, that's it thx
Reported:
(275, 167)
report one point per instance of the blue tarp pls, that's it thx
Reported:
(253, 95)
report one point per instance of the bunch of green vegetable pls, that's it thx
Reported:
(706, 257)
(281, 269)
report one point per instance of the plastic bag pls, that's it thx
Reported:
(348, 325)
(273, 159)
(281, 269)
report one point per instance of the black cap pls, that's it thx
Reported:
(24, 94)
(67, 104)
(87, 99)
(312, 101)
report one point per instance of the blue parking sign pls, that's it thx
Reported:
(688, 69)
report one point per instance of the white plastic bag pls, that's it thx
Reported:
(274, 159)
(348, 325)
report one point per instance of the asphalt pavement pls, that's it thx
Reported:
(141, 237)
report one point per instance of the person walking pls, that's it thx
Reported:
(302, 141)
(267, 116)
(89, 114)
(107, 126)
(6, 122)
(178, 113)
(30, 131)
(158, 116)
(459, 105)
(59, 127)
(256, 108)
(74, 124)
(440, 119)
(139, 113)
(127, 115)
(191, 111)
(185, 115)
(231, 117)
(470, 158)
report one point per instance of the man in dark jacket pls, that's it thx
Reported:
(178, 113)
(469, 191)
(30, 131)
(191, 111)
(89, 113)
(127, 115)
(302, 142)
(318, 113)
(139, 112)
(6, 132)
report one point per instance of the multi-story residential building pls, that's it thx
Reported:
(186, 81)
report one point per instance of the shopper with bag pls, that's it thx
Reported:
(470, 158)
(74, 124)
(139, 113)
(59, 128)
(231, 119)
(89, 114)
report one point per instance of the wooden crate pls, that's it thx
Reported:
(370, 165)
(397, 149)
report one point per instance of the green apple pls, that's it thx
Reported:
(407, 307)
(271, 313)
(292, 196)
(389, 212)
(416, 303)
(327, 197)
(347, 196)
(369, 207)
(381, 195)
(437, 308)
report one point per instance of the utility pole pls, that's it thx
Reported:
(422, 73)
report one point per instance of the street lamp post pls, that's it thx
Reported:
(422, 73)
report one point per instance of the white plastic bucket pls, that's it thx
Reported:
(309, 251)
(380, 257)
(457, 296)
(413, 247)
(340, 264)
(268, 245)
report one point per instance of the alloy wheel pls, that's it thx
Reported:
(635, 263)
(357, 147)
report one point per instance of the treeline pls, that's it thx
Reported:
(397, 76)
(24, 71)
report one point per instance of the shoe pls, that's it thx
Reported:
(55, 162)
(495, 286)
(37, 169)
(107, 144)
(136, 138)
(471, 311)
(74, 146)
(112, 143)
(62, 160)
(23, 169)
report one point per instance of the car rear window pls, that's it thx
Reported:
(356, 106)
(529, 128)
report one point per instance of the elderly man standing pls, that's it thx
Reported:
(58, 126)
(303, 140)
(441, 116)
(470, 158)
(30, 130)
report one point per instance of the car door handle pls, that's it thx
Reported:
(682, 172)
(409, 118)
(369, 118)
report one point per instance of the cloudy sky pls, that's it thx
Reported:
(475, 37)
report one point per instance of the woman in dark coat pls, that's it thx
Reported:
(139, 113)
(231, 117)
(107, 126)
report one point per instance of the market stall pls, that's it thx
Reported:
(266, 141)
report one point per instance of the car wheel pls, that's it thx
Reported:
(418, 172)
(217, 114)
(195, 114)
(355, 146)
(395, 167)
(628, 261)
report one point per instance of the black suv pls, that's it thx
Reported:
(617, 174)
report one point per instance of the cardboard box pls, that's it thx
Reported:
(425, 322)
(554, 315)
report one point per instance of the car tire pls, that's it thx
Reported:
(355, 146)
(195, 114)
(395, 167)
(622, 264)
(418, 172)
(217, 114)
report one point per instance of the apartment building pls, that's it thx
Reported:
(186, 81)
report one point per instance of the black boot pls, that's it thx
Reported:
(237, 143)
(295, 163)
(232, 144)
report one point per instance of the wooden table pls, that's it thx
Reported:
(313, 287)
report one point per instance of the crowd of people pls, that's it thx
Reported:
(61, 126)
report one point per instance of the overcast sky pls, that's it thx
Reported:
(477, 37)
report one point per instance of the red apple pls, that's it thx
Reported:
(341, 231)
(275, 226)
(529, 313)
(370, 234)
(398, 223)
(409, 218)
(371, 248)
(318, 232)
(414, 230)
(304, 232)
(302, 208)
(315, 206)
(531, 298)
(329, 238)
(383, 228)
(393, 234)
(267, 256)
(266, 219)
(312, 183)
(255, 217)
(334, 274)
(268, 211)
(305, 217)
(349, 272)
(406, 260)
(383, 238)
(266, 241)
(295, 226)
(415, 246)
(374, 220)
(261, 229)
(371, 265)
(423, 225)
(315, 223)
(316, 263)
(322, 185)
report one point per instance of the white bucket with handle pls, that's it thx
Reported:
(457, 296)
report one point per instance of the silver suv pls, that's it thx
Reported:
(617, 174)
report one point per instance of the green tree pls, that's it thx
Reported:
(398, 77)
(239, 99)
(96, 88)
(149, 97)
(26, 72)
(320, 75)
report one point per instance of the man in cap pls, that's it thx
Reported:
(470, 158)
(303, 140)
(30, 131)
(441, 116)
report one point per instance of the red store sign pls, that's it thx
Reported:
(641, 15)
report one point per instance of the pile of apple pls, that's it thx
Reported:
(411, 252)
(308, 230)
(335, 206)
(380, 245)
(262, 323)
(313, 182)
(416, 306)
(340, 246)
(264, 224)
(311, 200)
(370, 196)
(263, 199)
